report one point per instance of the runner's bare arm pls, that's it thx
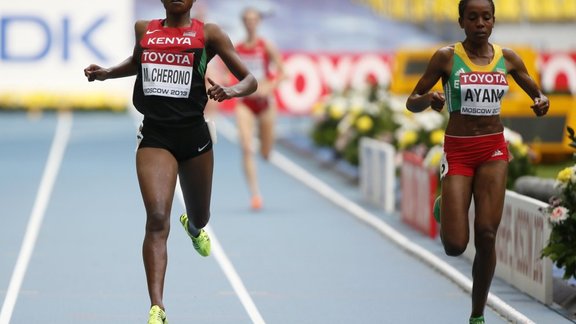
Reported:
(517, 69)
(276, 59)
(128, 67)
(218, 43)
(421, 98)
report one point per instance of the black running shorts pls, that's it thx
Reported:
(184, 141)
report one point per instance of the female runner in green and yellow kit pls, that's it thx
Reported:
(475, 162)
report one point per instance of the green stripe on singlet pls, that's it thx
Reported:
(203, 62)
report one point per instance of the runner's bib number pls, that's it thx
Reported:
(481, 93)
(167, 74)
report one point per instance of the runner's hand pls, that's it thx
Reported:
(437, 101)
(96, 72)
(541, 105)
(219, 93)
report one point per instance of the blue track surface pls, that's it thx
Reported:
(302, 259)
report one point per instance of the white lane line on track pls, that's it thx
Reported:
(230, 272)
(54, 161)
(217, 251)
(226, 128)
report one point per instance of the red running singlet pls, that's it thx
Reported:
(257, 60)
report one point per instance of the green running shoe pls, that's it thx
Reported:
(202, 242)
(436, 210)
(477, 320)
(157, 316)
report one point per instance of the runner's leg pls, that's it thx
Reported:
(456, 199)
(156, 169)
(246, 123)
(196, 183)
(489, 193)
(266, 131)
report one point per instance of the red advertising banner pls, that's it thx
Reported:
(310, 76)
(558, 72)
(418, 193)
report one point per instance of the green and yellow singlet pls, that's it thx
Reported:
(475, 89)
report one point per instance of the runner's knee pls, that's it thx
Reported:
(246, 149)
(454, 247)
(157, 222)
(485, 240)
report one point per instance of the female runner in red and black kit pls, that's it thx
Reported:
(170, 58)
(257, 110)
(475, 164)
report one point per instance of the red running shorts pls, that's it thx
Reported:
(463, 154)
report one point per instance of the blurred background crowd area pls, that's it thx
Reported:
(537, 23)
(508, 10)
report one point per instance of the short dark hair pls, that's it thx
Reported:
(463, 3)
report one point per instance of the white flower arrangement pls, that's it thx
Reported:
(558, 215)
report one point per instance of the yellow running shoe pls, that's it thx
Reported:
(157, 315)
(202, 242)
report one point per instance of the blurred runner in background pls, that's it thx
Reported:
(257, 112)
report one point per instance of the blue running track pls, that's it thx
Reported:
(73, 223)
